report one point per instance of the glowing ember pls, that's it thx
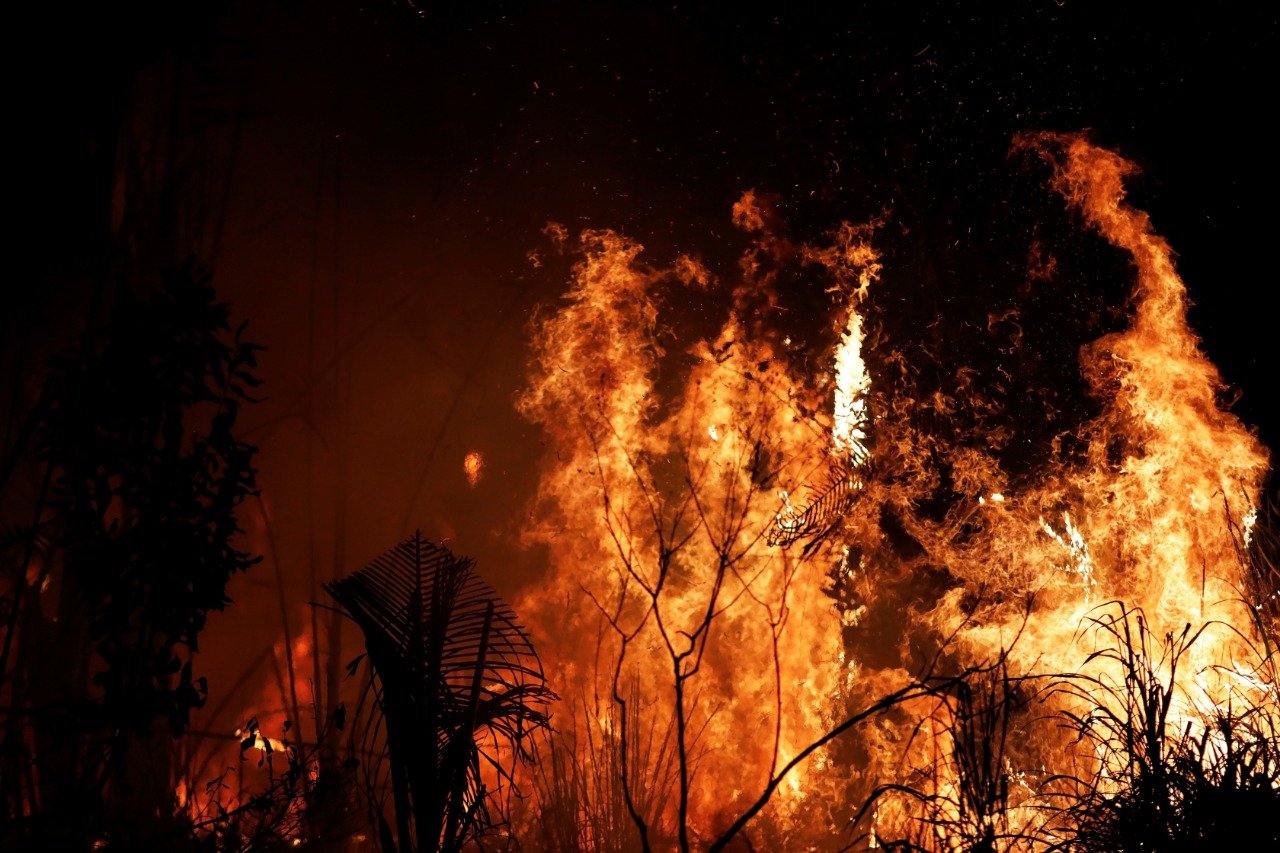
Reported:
(473, 467)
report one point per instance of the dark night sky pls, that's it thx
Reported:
(393, 167)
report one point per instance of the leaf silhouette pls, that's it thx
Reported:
(459, 677)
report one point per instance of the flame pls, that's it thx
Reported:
(234, 764)
(728, 564)
(473, 467)
(852, 385)
(667, 515)
(261, 742)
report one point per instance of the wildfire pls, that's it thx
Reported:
(733, 598)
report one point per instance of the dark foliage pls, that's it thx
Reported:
(1212, 781)
(459, 687)
(143, 477)
(147, 477)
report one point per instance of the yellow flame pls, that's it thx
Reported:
(852, 385)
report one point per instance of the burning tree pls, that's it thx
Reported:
(722, 646)
(754, 537)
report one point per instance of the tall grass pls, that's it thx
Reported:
(579, 803)
(1165, 778)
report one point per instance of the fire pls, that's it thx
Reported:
(261, 742)
(668, 521)
(473, 467)
(232, 764)
(739, 559)
(852, 385)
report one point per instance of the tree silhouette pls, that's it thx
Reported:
(137, 527)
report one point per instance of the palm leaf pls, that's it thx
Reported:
(460, 684)
(831, 503)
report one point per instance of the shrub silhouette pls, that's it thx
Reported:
(134, 537)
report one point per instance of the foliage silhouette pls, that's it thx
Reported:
(133, 546)
(458, 684)
(1160, 784)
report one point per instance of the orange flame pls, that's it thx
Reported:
(680, 482)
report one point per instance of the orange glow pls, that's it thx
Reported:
(691, 475)
(473, 467)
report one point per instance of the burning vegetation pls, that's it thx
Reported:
(790, 615)
(807, 585)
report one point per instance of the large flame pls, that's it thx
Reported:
(666, 482)
(737, 549)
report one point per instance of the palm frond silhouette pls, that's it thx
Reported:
(460, 688)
